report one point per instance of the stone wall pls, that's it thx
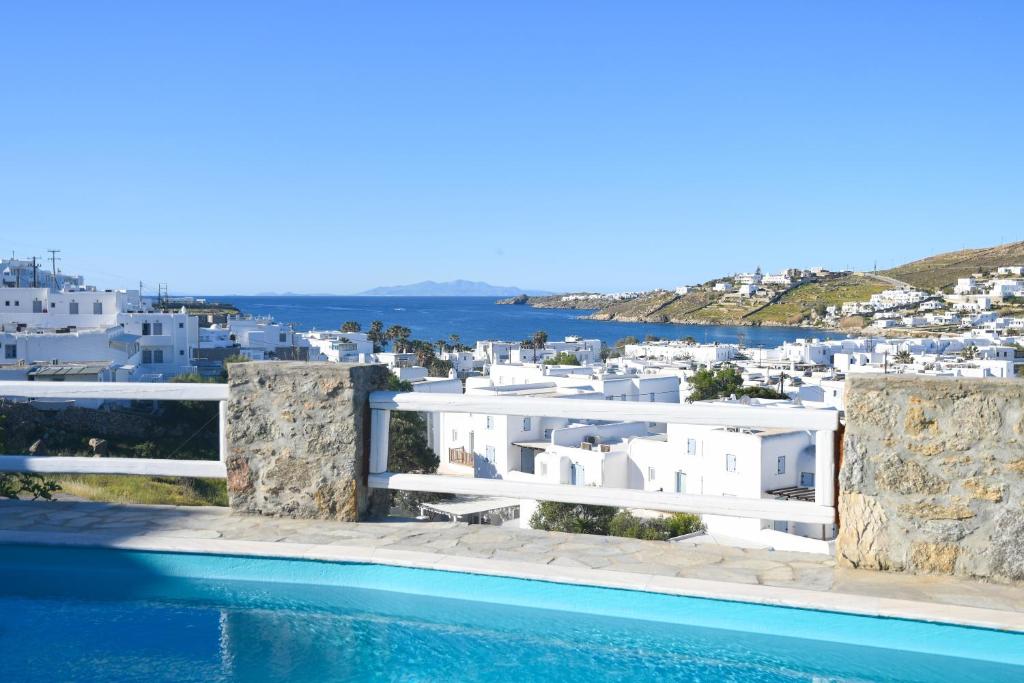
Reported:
(932, 480)
(298, 438)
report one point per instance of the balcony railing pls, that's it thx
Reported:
(822, 422)
(119, 391)
(460, 456)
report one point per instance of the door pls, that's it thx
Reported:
(578, 475)
(680, 482)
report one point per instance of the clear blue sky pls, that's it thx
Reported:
(334, 146)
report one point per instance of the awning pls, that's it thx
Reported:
(538, 445)
(124, 342)
(803, 493)
(467, 505)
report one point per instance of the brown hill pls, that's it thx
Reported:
(942, 270)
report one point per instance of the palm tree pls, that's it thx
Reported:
(528, 344)
(399, 334)
(351, 326)
(970, 352)
(441, 345)
(540, 338)
(903, 357)
(376, 335)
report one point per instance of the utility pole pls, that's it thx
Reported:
(53, 266)
(35, 273)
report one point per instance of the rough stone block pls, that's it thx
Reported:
(298, 438)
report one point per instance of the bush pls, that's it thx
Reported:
(562, 358)
(628, 525)
(572, 518)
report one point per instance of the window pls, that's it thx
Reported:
(146, 329)
(691, 446)
(652, 397)
(489, 453)
(282, 337)
(158, 356)
(181, 326)
(17, 303)
(73, 308)
(651, 474)
(97, 308)
(158, 328)
(147, 356)
(680, 482)
(780, 467)
(730, 462)
(490, 422)
(181, 352)
(455, 435)
(37, 306)
(807, 479)
(10, 350)
(547, 434)
(526, 424)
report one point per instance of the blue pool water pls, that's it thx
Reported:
(74, 614)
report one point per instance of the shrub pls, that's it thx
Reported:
(572, 518)
(628, 525)
(562, 358)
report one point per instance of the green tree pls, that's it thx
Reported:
(376, 335)
(572, 518)
(562, 358)
(439, 368)
(399, 335)
(651, 338)
(540, 339)
(969, 352)
(903, 357)
(351, 326)
(706, 384)
(408, 450)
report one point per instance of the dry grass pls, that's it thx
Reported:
(113, 488)
(942, 270)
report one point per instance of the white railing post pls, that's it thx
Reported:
(380, 422)
(824, 468)
(222, 427)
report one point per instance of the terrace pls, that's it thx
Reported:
(929, 492)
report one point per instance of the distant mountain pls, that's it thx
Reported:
(453, 288)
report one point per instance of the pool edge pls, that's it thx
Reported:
(830, 601)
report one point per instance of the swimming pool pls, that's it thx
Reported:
(82, 614)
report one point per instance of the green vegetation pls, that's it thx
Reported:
(807, 302)
(628, 525)
(727, 381)
(572, 518)
(608, 521)
(942, 270)
(903, 357)
(562, 358)
(138, 490)
(20, 485)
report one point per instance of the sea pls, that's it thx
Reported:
(475, 318)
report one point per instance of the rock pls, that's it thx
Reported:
(983, 491)
(934, 558)
(1007, 545)
(908, 476)
(38, 447)
(297, 438)
(99, 447)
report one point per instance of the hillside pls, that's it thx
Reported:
(942, 270)
(802, 304)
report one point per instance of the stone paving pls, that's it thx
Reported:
(109, 522)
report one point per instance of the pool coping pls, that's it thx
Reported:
(830, 601)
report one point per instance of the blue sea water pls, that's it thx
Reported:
(75, 614)
(474, 318)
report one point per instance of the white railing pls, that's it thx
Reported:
(822, 422)
(119, 391)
